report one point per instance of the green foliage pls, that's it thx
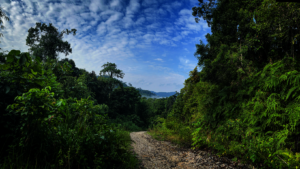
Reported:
(48, 44)
(66, 132)
(128, 123)
(244, 103)
(76, 87)
(111, 70)
(124, 101)
(51, 129)
(145, 92)
(18, 74)
(75, 72)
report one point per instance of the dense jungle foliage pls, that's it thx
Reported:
(243, 104)
(48, 122)
(55, 115)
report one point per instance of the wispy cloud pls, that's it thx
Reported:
(128, 33)
(159, 68)
(185, 63)
(159, 59)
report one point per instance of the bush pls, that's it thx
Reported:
(127, 123)
(66, 132)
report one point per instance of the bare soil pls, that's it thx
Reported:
(155, 154)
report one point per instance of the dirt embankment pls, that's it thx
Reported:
(156, 154)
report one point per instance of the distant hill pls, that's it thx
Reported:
(164, 94)
(145, 92)
(149, 94)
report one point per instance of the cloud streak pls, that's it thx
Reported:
(150, 40)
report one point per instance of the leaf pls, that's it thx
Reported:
(290, 91)
(38, 59)
(14, 53)
(9, 58)
(24, 113)
(284, 152)
(7, 89)
(33, 72)
(234, 159)
(59, 103)
(23, 60)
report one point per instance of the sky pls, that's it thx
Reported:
(151, 41)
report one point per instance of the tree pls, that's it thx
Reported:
(2, 14)
(75, 70)
(219, 69)
(112, 71)
(238, 51)
(48, 44)
(123, 101)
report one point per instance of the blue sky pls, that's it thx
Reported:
(152, 41)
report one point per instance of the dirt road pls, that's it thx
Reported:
(156, 154)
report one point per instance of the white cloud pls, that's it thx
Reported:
(96, 6)
(176, 4)
(115, 4)
(153, 26)
(175, 82)
(162, 12)
(140, 21)
(159, 59)
(159, 68)
(186, 63)
(177, 38)
(115, 17)
(125, 33)
(101, 30)
(146, 3)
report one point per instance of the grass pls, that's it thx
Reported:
(182, 138)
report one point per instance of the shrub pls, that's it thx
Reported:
(65, 132)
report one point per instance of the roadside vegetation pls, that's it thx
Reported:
(55, 115)
(243, 104)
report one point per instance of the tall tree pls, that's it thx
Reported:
(75, 70)
(111, 70)
(123, 101)
(233, 56)
(2, 14)
(239, 46)
(48, 44)
(282, 19)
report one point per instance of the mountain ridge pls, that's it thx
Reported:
(147, 93)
